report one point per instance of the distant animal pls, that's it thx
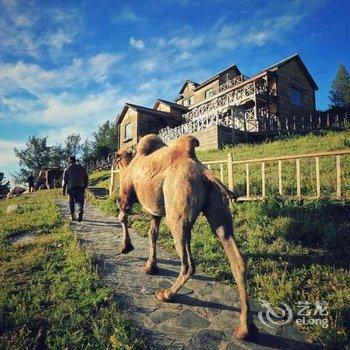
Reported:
(16, 191)
(54, 177)
(49, 178)
(170, 182)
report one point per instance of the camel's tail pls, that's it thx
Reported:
(223, 188)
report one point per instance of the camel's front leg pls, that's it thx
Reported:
(127, 247)
(150, 267)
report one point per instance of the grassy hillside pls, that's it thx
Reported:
(330, 141)
(50, 294)
(296, 250)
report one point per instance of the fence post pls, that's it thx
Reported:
(247, 180)
(221, 172)
(263, 182)
(280, 189)
(298, 177)
(338, 177)
(230, 171)
(319, 121)
(318, 184)
(111, 187)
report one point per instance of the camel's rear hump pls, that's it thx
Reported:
(185, 146)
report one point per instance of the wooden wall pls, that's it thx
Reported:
(199, 94)
(208, 138)
(129, 117)
(290, 74)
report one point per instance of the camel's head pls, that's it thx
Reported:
(122, 158)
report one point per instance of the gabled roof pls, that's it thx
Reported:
(172, 104)
(143, 109)
(301, 65)
(206, 82)
(185, 84)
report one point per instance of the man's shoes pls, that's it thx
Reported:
(72, 217)
(80, 218)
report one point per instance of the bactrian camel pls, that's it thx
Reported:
(170, 182)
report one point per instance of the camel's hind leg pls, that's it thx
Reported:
(150, 267)
(182, 238)
(217, 212)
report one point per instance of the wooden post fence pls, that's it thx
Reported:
(231, 168)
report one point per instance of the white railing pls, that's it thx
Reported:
(265, 122)
(232, 97)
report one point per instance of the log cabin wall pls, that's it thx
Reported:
(290, 75)
(208, 138)
(130, 117)
(199, 94)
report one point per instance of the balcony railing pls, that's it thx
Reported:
(264, 122)
(232, 97)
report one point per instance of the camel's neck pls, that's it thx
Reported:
(122, 168)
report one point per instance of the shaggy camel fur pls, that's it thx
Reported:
(170, 182)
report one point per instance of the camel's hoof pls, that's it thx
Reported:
(127, 249)
(150, 270)
(244, 333)
(160, 295)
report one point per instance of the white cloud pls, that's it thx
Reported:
(102, 64)
(38, 81)
(7, 154)
(146, 86)
(137, 43)
(26, 31)
(148, 65)
(186, 42)
(59, 39)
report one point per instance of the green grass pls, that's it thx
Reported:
(50, 293)
(296, 250)
(100, 178)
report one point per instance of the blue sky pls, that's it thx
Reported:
(66, 67)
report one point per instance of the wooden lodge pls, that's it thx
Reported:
(228, 106)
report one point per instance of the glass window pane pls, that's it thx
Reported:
(295, 96)
(128, 131)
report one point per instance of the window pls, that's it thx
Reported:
(189, 101)
(209, 93)
(295, 95)
(128, 131)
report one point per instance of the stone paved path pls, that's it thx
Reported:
(202, 316)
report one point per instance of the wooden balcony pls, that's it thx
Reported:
(233, 93)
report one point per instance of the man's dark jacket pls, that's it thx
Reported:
(75, 176)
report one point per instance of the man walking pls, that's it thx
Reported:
(75, 181)
(30, 180)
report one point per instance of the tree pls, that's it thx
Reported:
(4, 186)
(339, 94)
(87, 155)
(72, 145)
(105, 140)
(32, 158)
(58, 156)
